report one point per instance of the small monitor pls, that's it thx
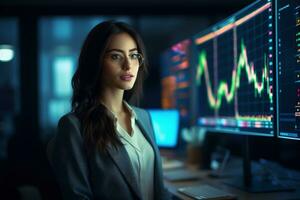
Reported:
(166, 127)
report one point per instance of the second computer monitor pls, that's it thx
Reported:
(288, 74)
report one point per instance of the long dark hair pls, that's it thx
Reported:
(97, 123)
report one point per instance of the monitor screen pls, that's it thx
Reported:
(166, 127)
(288, 76)
(176, 79)
(234, 73)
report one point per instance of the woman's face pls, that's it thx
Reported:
(121, 62)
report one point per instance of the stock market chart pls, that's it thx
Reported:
(234, 72)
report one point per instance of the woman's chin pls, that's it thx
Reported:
(126, 87)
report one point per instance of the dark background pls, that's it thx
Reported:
(23, 160)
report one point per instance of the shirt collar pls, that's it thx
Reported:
(133, 115)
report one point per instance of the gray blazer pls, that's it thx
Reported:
(99, 176)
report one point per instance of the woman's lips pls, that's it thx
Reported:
(126, 77)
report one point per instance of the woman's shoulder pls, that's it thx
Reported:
(68, 129)
(139, 111)
(69, 119)
(70, 116)
(68, 136)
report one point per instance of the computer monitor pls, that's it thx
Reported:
(176, 80)
(288, 74)
(234, 78)
(166, 127)
(234, 73)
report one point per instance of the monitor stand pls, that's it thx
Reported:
(254, 184)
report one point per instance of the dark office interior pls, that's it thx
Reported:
(35, 88)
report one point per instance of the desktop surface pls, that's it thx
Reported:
(233, 169)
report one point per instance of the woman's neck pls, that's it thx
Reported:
(113, 100)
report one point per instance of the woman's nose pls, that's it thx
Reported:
(126, 64)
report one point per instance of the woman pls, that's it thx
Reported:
(104, 148)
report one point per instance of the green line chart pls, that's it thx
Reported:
(226, 92)
(233, 73)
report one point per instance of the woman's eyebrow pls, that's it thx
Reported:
(118, 50)
(134, 49)
(121, 51)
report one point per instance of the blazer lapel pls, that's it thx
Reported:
(145, 129)
(122, 161)
(146, 134)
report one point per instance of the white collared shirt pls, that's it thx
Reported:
(141, 155)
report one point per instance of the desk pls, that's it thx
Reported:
(218, 183)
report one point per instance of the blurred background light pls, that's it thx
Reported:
(6, 53)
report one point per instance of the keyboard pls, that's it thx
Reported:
(205, 192)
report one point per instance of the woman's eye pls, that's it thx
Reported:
(135, 56)
(116, 57)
